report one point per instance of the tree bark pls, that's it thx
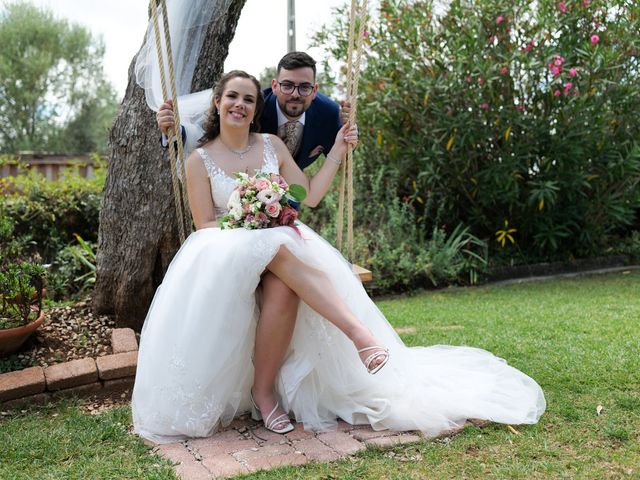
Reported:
(138, 233)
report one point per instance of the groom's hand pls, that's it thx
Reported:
(164, 117)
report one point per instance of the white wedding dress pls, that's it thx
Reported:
(194, 365)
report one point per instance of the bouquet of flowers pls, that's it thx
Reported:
(262, 201)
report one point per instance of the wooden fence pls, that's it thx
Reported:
(50, 165)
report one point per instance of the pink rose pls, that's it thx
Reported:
(594, 40)
(262, 218)
(273, 209)
(262, 184)
(562, 7)
(499, 19)
(288, 216)
(573, 71)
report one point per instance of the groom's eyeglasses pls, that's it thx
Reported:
(304, 89)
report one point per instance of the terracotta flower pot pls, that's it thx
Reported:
(11, 339)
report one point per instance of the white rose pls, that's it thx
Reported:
(234, 201)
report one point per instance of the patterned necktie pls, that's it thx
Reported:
(291, 136)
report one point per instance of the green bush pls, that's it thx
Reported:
(51, 213)
(73, 271)
(389, 242)
(504, 112)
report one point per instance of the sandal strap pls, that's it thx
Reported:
(280, 419)
(269, 422)
(374, 356)
(374, 347)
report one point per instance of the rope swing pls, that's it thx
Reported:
(357, 18)
(179, 190)
(354, 54)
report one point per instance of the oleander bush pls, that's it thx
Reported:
(517, 119)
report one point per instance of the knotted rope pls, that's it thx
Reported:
(179, 190)
(354, 55)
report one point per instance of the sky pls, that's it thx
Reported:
(122, 25)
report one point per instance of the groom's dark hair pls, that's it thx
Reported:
(293, 60)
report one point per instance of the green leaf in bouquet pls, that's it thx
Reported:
(297, 192)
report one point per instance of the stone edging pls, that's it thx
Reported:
(104, 376)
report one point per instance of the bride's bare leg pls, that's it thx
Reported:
(273, 335)
(313, 286)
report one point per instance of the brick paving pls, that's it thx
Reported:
(246, 446)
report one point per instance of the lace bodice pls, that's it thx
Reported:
(222, 185)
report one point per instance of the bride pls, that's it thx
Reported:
(195, 366)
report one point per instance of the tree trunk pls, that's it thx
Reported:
(138, 234)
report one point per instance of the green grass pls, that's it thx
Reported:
(579, 338)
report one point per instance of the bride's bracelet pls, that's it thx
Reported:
(334, 159)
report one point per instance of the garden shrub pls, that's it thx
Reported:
(51, 213)
(514, 117)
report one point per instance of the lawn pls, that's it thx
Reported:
(579, 338)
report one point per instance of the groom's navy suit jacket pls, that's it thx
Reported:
(321, 124)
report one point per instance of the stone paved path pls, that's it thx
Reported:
(246, 446)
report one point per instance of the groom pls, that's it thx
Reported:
(306, 120)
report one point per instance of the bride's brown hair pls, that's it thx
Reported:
(212, 125)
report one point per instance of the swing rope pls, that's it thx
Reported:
(354, 55)
(179, 190)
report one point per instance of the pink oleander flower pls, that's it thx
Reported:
(557, 93)
(567, 87)
(528, 48)
(469, 78)
(558, 60)
(562, 7)
(573, 71)
(504, 70)
(595, 39)
(499, 19)
(480, 81)
(555, 70)
(585, 3)
(273, 209)
(484, 106)
(520, 108)
(492, 39)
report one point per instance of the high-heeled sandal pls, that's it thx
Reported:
(271, 423)
(379, 352)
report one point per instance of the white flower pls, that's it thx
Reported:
(234, 201)
(269, 196)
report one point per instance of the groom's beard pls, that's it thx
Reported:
(293, 108)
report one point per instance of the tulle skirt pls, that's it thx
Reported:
(195, 360)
